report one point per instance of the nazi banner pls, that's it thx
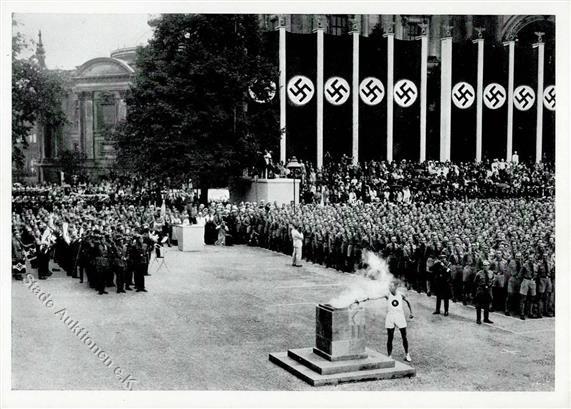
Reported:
(300, 90)
(463, 95)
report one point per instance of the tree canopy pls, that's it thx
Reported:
(189, 112)
(37, 96)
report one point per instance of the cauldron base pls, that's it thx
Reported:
(318, 371)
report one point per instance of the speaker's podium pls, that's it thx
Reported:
(190, 237)
(279, 190)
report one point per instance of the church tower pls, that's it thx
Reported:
(40, 52)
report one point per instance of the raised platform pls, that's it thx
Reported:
(246, 189)
(318, 371)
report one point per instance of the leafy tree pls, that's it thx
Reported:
(71, 163)
(189, 112)
(37, 96)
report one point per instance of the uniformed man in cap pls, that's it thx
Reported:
(442, 277)
(138, 259)
(483, 285)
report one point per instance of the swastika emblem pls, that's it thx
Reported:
(405, 93)
(336, 90)
(463, 95)
(524, 97)
(494, 96)
(300, 90)
(549, 97)
(262, 91)
(371, 91)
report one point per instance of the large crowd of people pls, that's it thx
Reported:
(109, 230)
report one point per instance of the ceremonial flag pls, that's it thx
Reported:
(372, 98)
(337, 112)
(463, 112)
(524, 100)
(549, 102)
(406, 96)
(301, 110)
(495, 104)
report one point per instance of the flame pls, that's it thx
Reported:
(371, 282)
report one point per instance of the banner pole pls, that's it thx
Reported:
(390, 79)
(355, 123)
(540, 45)
(319, 92)
(479, 91)
(423, 79)
(445, 95)
(282, 62)
(509, 135)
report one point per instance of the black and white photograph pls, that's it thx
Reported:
(237, 198)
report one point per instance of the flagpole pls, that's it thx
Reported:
(479, 85)
(540, 45)
(355, 86)
(319, 91)
(509, 136)
(282, 63)
(445, 95)
(390, 79)
(423, 78)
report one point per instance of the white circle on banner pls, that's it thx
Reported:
(549, 97)
(524, 97)
(494, 95)
(371, 91)
(463, 95)
(300, 90)
(405, 93)
(337, 90)
(262, 93)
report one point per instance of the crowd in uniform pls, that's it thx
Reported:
(490, 251)
(402, 181)
(94, 232)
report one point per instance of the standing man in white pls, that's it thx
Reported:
(395, 318)
(297, 238)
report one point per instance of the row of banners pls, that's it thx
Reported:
(374, 98)
(300, 91)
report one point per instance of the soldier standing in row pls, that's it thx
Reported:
(138, 259)
(483, 285)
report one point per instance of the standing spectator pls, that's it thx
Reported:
(483, 283)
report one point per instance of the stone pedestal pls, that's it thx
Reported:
(340, 334)
(340, 353)
(190, 237)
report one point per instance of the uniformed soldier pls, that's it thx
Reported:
(137, 254)
(441, 279)
(18, 257)
(120, 262)
(101, 252)
(483, 285)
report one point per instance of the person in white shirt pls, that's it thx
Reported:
(395, 318)
(297, 238)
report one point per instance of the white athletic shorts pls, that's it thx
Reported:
(393, 320)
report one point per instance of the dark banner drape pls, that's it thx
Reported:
(406, 122)
(494, 112)
(549, 115)
(337, 119)
(463, 121)
(301, 57)
(373, 118)
(524, 122)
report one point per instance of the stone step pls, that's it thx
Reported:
(315, 379)
(309, 358)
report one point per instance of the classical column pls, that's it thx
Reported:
(89, 121)
(479, 92)
(509, 135)
(282, 80)
(540, 45)
(445, 94)
(423, 78)
(355, 91)
(390, 79)
(319, 92)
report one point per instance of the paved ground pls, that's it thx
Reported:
(210, 321)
